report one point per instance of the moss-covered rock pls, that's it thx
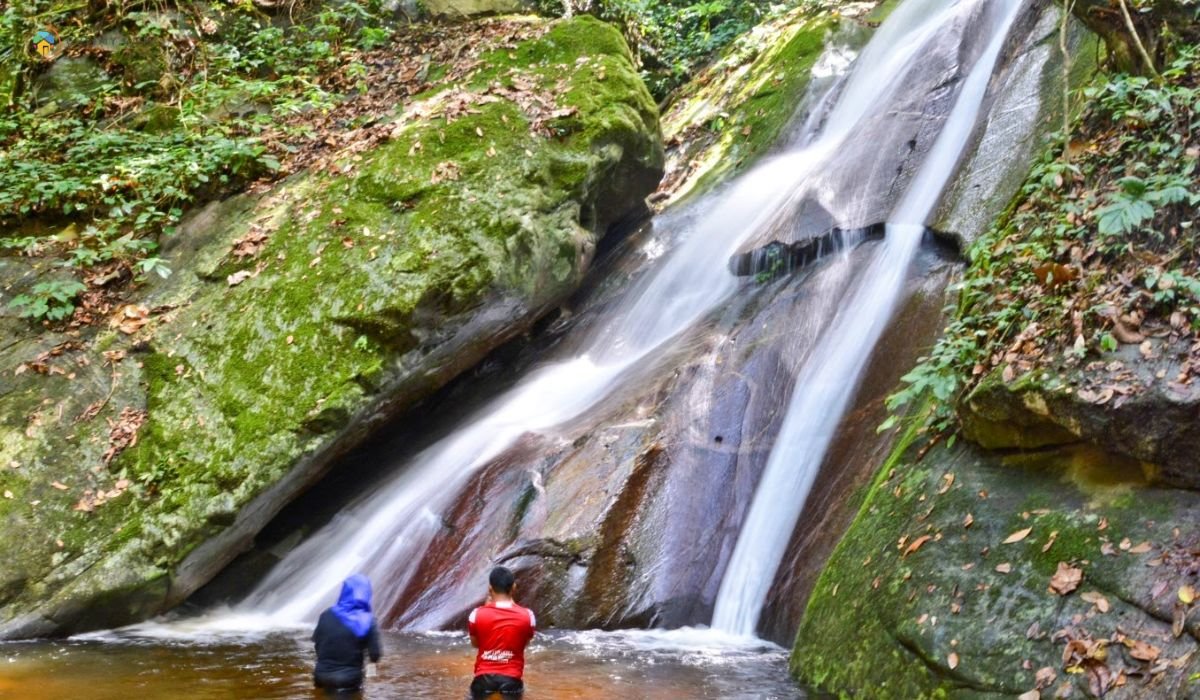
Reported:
(734, 110)
(924, 598)
(141, 458)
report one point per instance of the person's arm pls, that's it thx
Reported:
(471, 631)
(374, 648)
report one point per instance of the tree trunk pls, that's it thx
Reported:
(1105, 19)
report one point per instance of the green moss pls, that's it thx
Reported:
(887, 616)
(749, 95)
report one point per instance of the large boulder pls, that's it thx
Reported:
(137, 459)
(1125, 404)
(971, 573)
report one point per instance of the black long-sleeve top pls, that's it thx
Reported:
(340, 652)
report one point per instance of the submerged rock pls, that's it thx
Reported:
(137, 460)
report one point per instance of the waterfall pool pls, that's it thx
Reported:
(646, 665)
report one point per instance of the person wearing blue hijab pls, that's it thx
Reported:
(343, 633)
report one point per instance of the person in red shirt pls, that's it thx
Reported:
(500, 629)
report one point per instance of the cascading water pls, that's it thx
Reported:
(397, 522)
(827, 382)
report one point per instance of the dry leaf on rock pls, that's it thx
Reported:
(1066, 579)
(1018, 536)
(131, 318)
(952, 661)
(1097, 599)
(1141, 650)
(916, 544)
(1045, 676)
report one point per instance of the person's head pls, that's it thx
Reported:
(356, 593)
(501, 581)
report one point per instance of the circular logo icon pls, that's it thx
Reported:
(45, 44)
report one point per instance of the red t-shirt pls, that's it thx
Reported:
(502, 631)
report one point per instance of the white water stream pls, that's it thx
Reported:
(827, 382)
(396, 523)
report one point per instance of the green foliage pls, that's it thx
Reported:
(207, 86)
(50, 301)
(674, 38)
(1125, 202)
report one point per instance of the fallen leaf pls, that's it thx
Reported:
(1097, 599)
(1004, 568)
(968, 521)
(1125, 544)
(1140, 549)
(947, 482)
(916, 544)
(1018, 536)
(8, 494)
(59, 485)
(131, 318)
(1066, 579)
(1108, 550)
(1030, 695)
(1187, 594)
(952, 661)
(1141, 650)
(1045, 676)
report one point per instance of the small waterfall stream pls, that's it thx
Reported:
(827, 382)
(396, 523)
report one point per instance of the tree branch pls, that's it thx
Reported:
(1137, 40)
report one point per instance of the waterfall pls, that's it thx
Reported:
(397, 522)
(828, 380)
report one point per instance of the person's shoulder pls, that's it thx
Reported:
(527, 612)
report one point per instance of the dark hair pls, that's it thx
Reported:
(501, 579)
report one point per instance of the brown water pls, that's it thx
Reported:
(560, 666)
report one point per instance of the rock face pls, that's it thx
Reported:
(138, 459)
(626, 517)
(1030, 92)
(1152, 421)
(472, 8)
(943, 585)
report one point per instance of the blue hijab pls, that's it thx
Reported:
(354, 605)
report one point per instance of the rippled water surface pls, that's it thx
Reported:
(560, 666)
